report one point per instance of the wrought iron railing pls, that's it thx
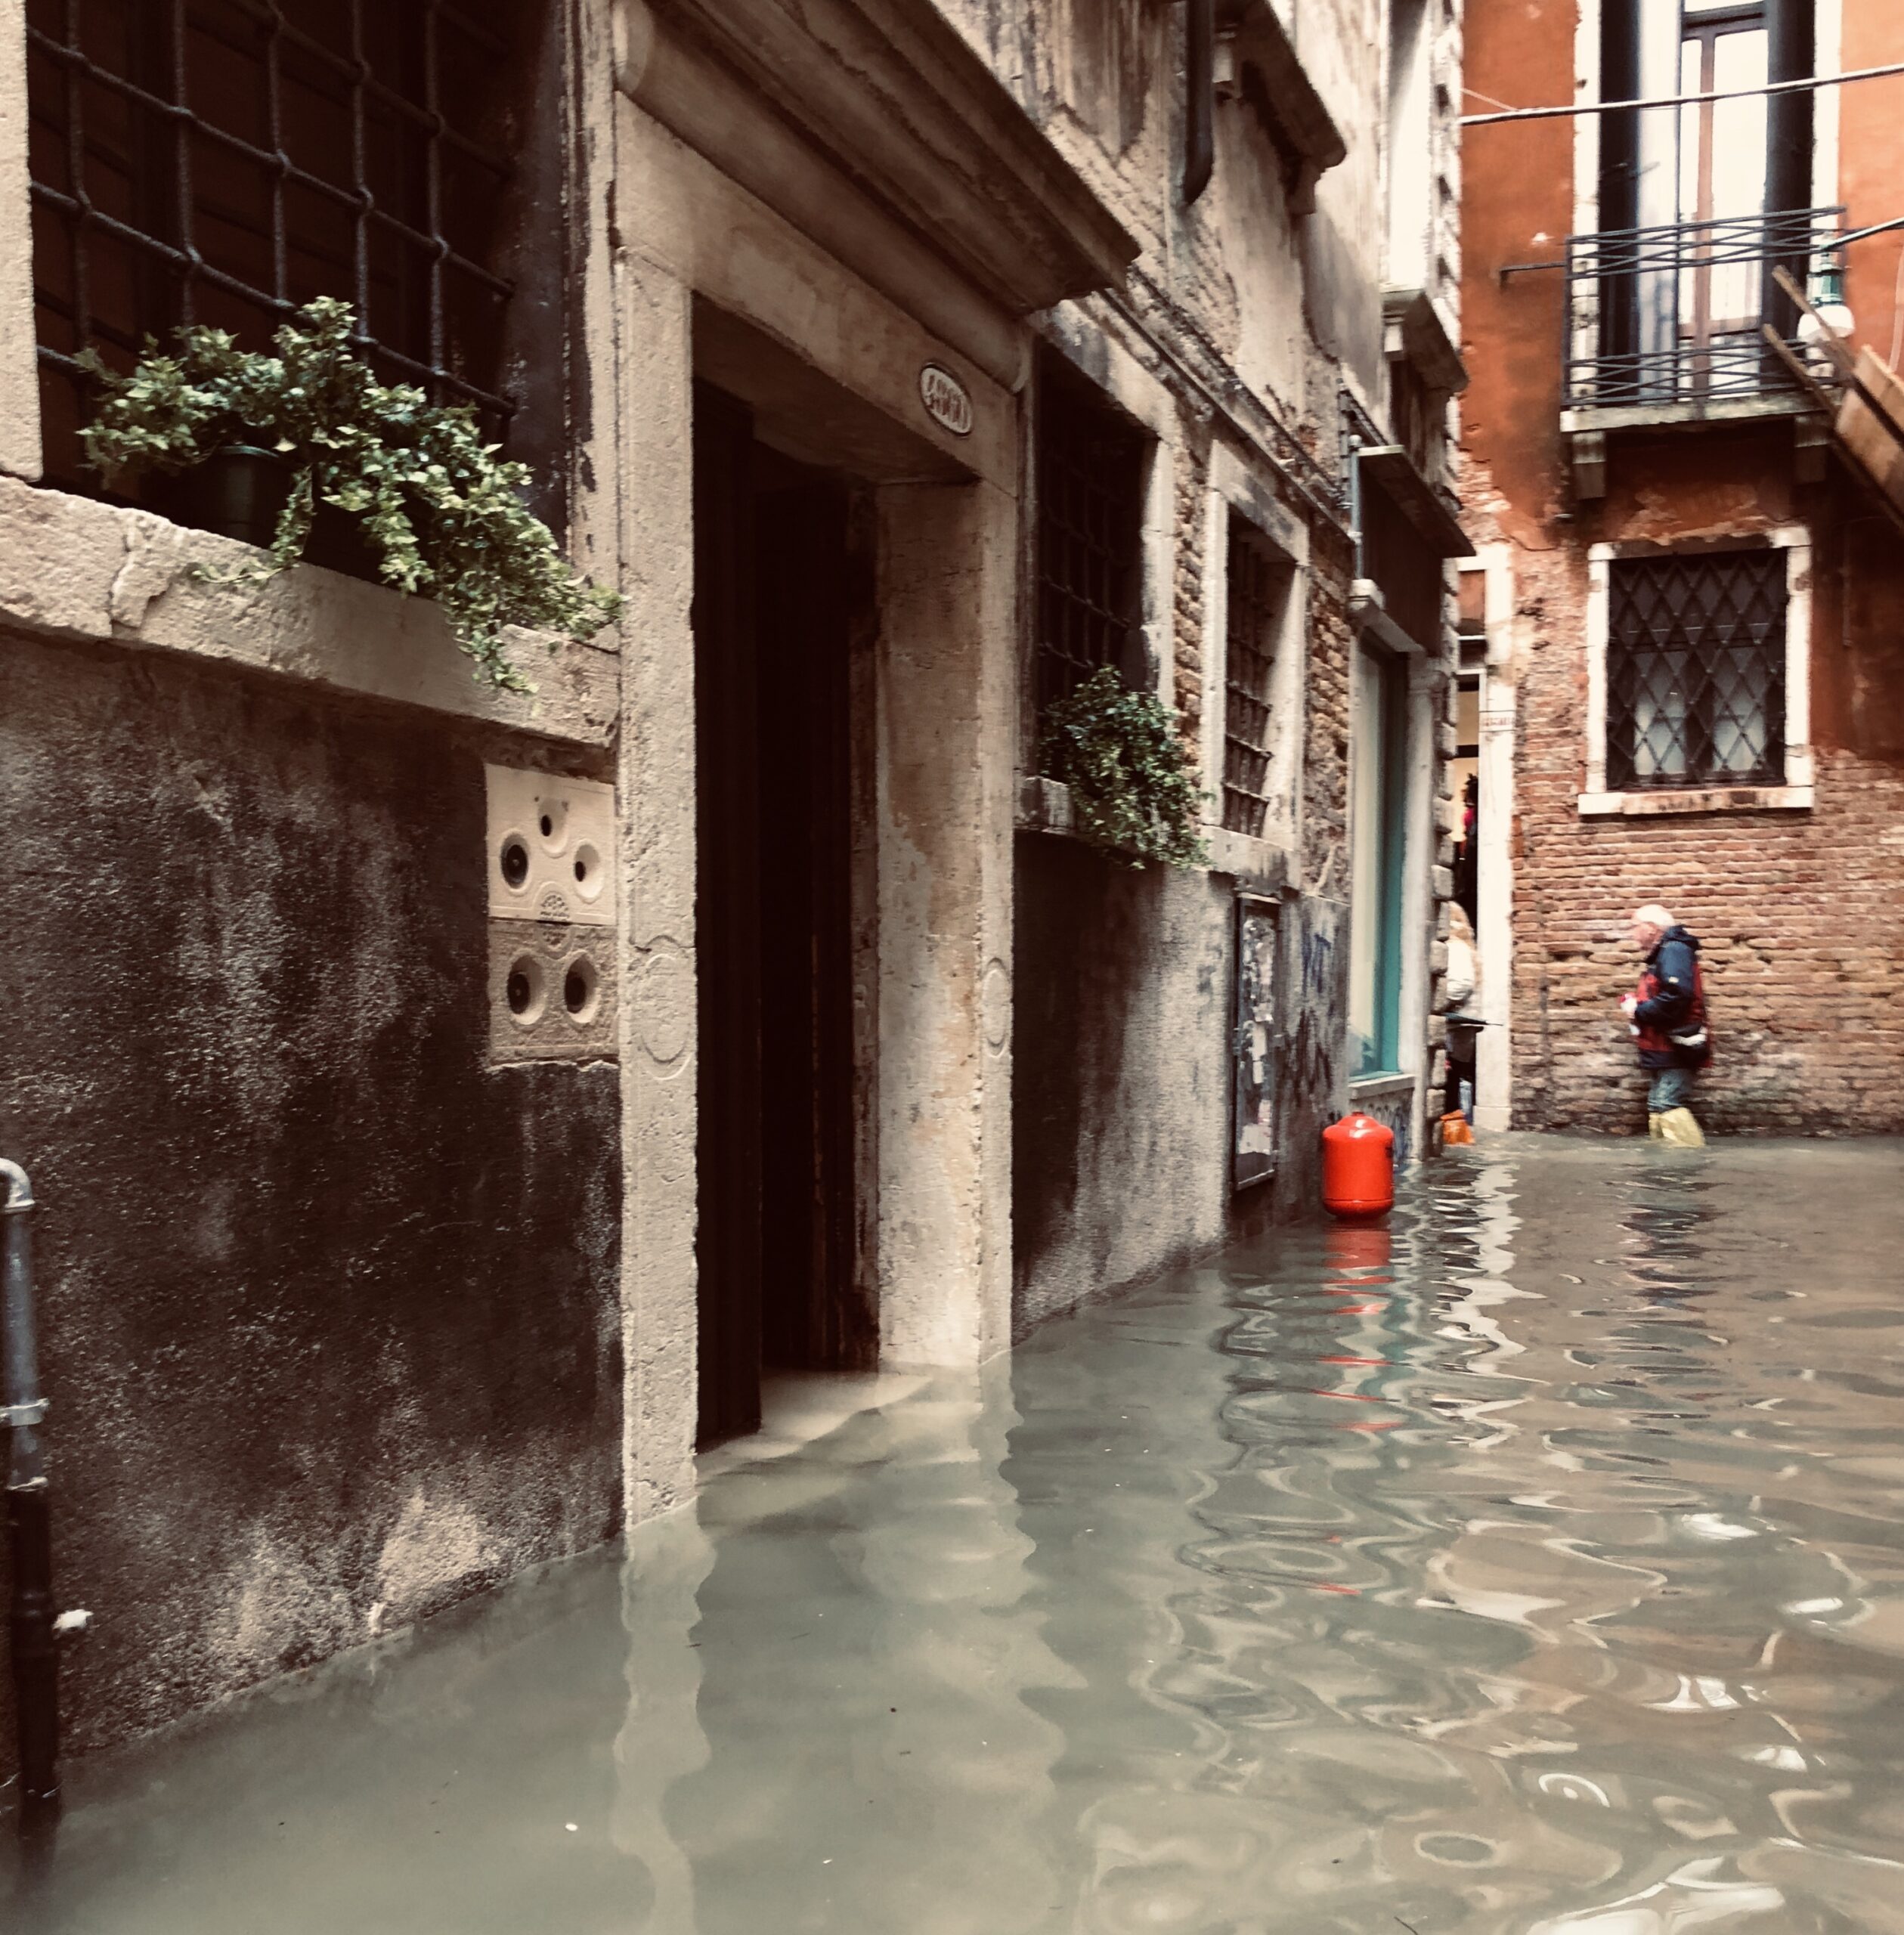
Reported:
(1089, 462)
(1675, 314)
(222, 161)
(1256, 583)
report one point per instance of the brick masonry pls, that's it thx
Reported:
(1801, 917)
(1802, 912)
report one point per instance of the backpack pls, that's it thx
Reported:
(1692, 1040)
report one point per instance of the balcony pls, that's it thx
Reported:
(1665, 325)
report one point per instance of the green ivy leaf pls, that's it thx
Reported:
(442, 509)
(1133, 786)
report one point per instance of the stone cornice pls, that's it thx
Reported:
(1297, 118)
(888, 95)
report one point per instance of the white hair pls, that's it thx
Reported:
(1654, 915)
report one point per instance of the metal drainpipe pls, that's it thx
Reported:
(35, 1644)
(1200, 97)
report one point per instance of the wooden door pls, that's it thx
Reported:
(727, 919)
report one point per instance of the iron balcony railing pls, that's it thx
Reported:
(1674, 315)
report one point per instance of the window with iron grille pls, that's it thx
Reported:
(1695, 670)
(1090, 485)
(221, 162)
(1257, 582)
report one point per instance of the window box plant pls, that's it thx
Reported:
(1133, 784)
(262, 446)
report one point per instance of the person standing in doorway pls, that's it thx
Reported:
(1666, 1013)
(1467, 855)
(1461, 1031)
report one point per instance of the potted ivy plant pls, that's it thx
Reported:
(268, 446)
(1133, 784)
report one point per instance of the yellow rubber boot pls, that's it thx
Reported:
(1680, 1128)
(1654, 1132)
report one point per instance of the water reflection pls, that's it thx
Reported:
(829, 1662)
(1530, 1564)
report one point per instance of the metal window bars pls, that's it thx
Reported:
(1696, 670)
(1672, 315)
(1254, 586)
(1090, 479)
(226, 160)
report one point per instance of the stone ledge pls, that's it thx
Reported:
(1368, 612)
(1697, 800)
(73, 567)
(1378, 1088)
(1259, 865)
(1044, 805)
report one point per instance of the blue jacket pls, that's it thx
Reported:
(1668, 987)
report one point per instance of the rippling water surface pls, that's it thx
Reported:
(1534, 1565)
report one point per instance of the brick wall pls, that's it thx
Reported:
(1325, 764)
(1801, 915)
(1191, 480)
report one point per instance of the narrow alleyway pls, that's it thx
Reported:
(1537, 1568)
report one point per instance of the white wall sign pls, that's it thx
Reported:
(948, 402)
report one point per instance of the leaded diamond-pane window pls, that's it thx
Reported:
(1255, 584)
(1696, 670)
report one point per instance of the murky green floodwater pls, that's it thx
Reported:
(1538, 1567)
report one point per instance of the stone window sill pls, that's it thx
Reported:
(1257, 865)
(1260, 866)
(1697, 799)
(1044, 805)
(72, 566)
(1379, 1088)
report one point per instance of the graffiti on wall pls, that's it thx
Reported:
(1253, 1144)
(1310, 1079)
(1396, 1112)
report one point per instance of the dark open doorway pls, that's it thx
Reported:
(779, 590)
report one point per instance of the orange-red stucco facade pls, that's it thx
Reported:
(1795, 885)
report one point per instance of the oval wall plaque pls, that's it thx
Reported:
(948, 402)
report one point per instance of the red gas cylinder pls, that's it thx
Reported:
(1358, 1166)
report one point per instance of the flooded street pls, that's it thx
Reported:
(1537, 1566)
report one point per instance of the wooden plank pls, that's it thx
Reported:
(1797, 364)
(1868, 443)
(1882, 389)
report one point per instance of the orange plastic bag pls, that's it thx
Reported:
(1455, 1132)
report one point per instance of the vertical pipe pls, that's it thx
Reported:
(35, 1648)
(1618, 292)
(1789, 135)
(182, 126)
(1199, 97)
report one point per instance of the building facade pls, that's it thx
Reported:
(1682, 638)
(447, 1109)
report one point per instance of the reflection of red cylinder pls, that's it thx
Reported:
(1357, 1247)
(1358, 1166)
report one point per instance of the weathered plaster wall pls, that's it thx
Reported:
(947, 721)
(1245, 311)
(1121, 1103)
(329, 1315)
(1870, 165)
(1517, 205)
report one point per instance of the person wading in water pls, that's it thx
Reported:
(1666, 1013)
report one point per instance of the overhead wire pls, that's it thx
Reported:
(1580, 107)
